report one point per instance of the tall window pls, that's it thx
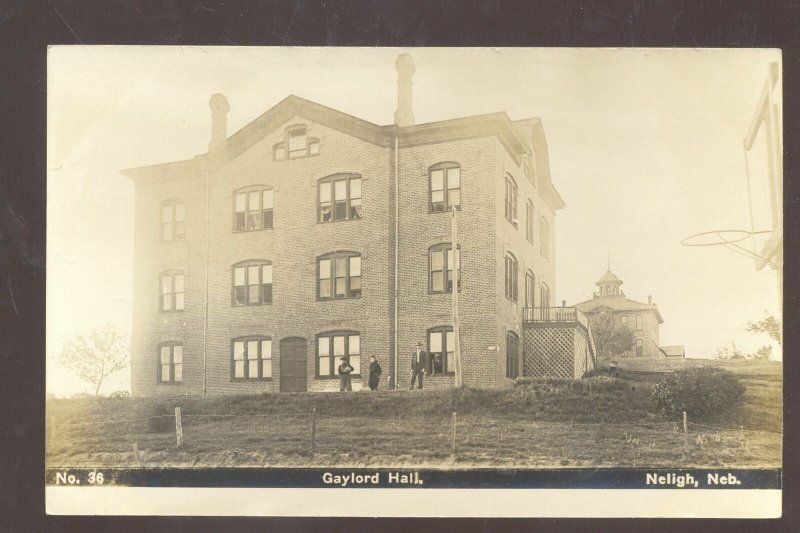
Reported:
(441, 354)
(173, 215)
(638, 322)
(252, 283)
(339, 276)
(443, 264)
(624, 320)
(253, 209)
(445, 187)
(251, 358)
(544, 299)
(511, 199)
(529, 220)
(511, 277)
(331, 347)
(639, 348)
(544, 238)
(340, 198)
(512, 355)
(171, 291)
(529, 289)
(170, 362)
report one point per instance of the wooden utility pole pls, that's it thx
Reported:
(456, 279)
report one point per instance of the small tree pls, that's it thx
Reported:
(703, 392)
(96, 356)
(610, 337)
(769, 325)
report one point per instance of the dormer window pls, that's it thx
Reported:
(296, 144)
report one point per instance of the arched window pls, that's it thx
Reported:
(441, 350)
(511, 277)
(544, 300)
(529, 289)
(512, 355)
(252, 283)
(529, 220)
(173, 214)
(511, 199)
(332, 346)
(544, 238)
(339, 198)
(253, 208)
(251, 358)
(339, 275)
(172, 287)
(442, 265)
(445, 187)
(170, 362)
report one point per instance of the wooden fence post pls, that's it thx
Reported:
(136, 454)
(313, 428)
(178, 426)
(685, 433)
(454, 432)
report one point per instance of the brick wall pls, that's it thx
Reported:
(295, 242)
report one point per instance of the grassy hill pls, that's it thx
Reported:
(545, 423)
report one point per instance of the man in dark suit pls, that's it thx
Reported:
(419, 361)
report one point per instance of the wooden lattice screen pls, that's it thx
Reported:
(549, 352)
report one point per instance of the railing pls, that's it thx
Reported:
(554, 314)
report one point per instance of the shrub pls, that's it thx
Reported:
(703, 392)
(120, 395)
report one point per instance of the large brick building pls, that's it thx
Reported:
(311, 234)
(643, 319)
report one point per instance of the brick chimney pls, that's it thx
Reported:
(219, 120)
(404, 116)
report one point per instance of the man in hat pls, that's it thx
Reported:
(418, 363)
(344, 375)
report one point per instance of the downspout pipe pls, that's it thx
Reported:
(396, 248)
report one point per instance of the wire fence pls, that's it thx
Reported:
(258, 438)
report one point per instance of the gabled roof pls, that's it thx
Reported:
(617, 303)
(520, 137)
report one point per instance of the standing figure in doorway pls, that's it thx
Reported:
(419, 361)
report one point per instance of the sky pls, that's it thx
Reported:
(645, 147)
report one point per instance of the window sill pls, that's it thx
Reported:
(168, 383)
(321, 223)
(250, 305)
(162, 312)
(249, 380)
(450, 293)
(448, 211)
(251, 230)
(336, 377)
(295, 157)
(338, 299)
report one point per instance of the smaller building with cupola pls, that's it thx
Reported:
(643, 319)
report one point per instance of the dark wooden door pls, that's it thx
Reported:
(293, 365)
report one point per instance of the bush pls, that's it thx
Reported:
(120, 395)
(703, 392)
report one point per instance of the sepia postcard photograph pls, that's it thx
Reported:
(523, 282)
